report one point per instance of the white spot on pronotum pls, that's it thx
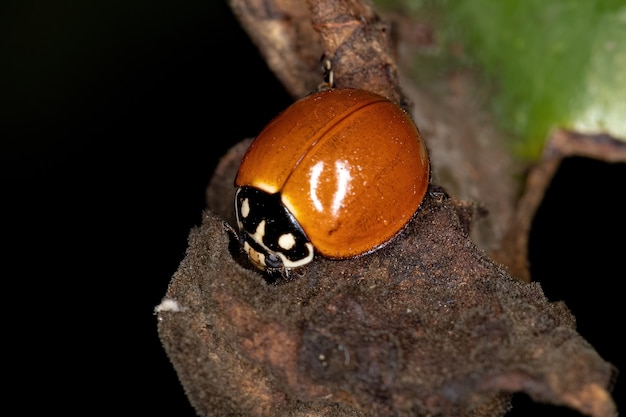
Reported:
(168, 304)
(259, 233)
(299, 262)
(286, 241)
(245, 208)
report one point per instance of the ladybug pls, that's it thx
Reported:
(339, 173)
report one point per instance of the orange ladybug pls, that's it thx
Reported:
(339, 173)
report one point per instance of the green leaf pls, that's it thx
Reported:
(556, 64)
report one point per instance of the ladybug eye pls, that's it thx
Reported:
(273, 261)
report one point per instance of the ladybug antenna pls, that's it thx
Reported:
(329, 77)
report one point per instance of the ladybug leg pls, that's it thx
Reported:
(230, 230)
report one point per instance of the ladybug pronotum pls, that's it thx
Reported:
(338, 173)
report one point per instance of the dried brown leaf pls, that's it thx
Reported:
(283, 32)
(427, 325)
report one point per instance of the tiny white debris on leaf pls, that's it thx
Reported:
(167, 304)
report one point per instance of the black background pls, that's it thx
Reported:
(113, 117)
